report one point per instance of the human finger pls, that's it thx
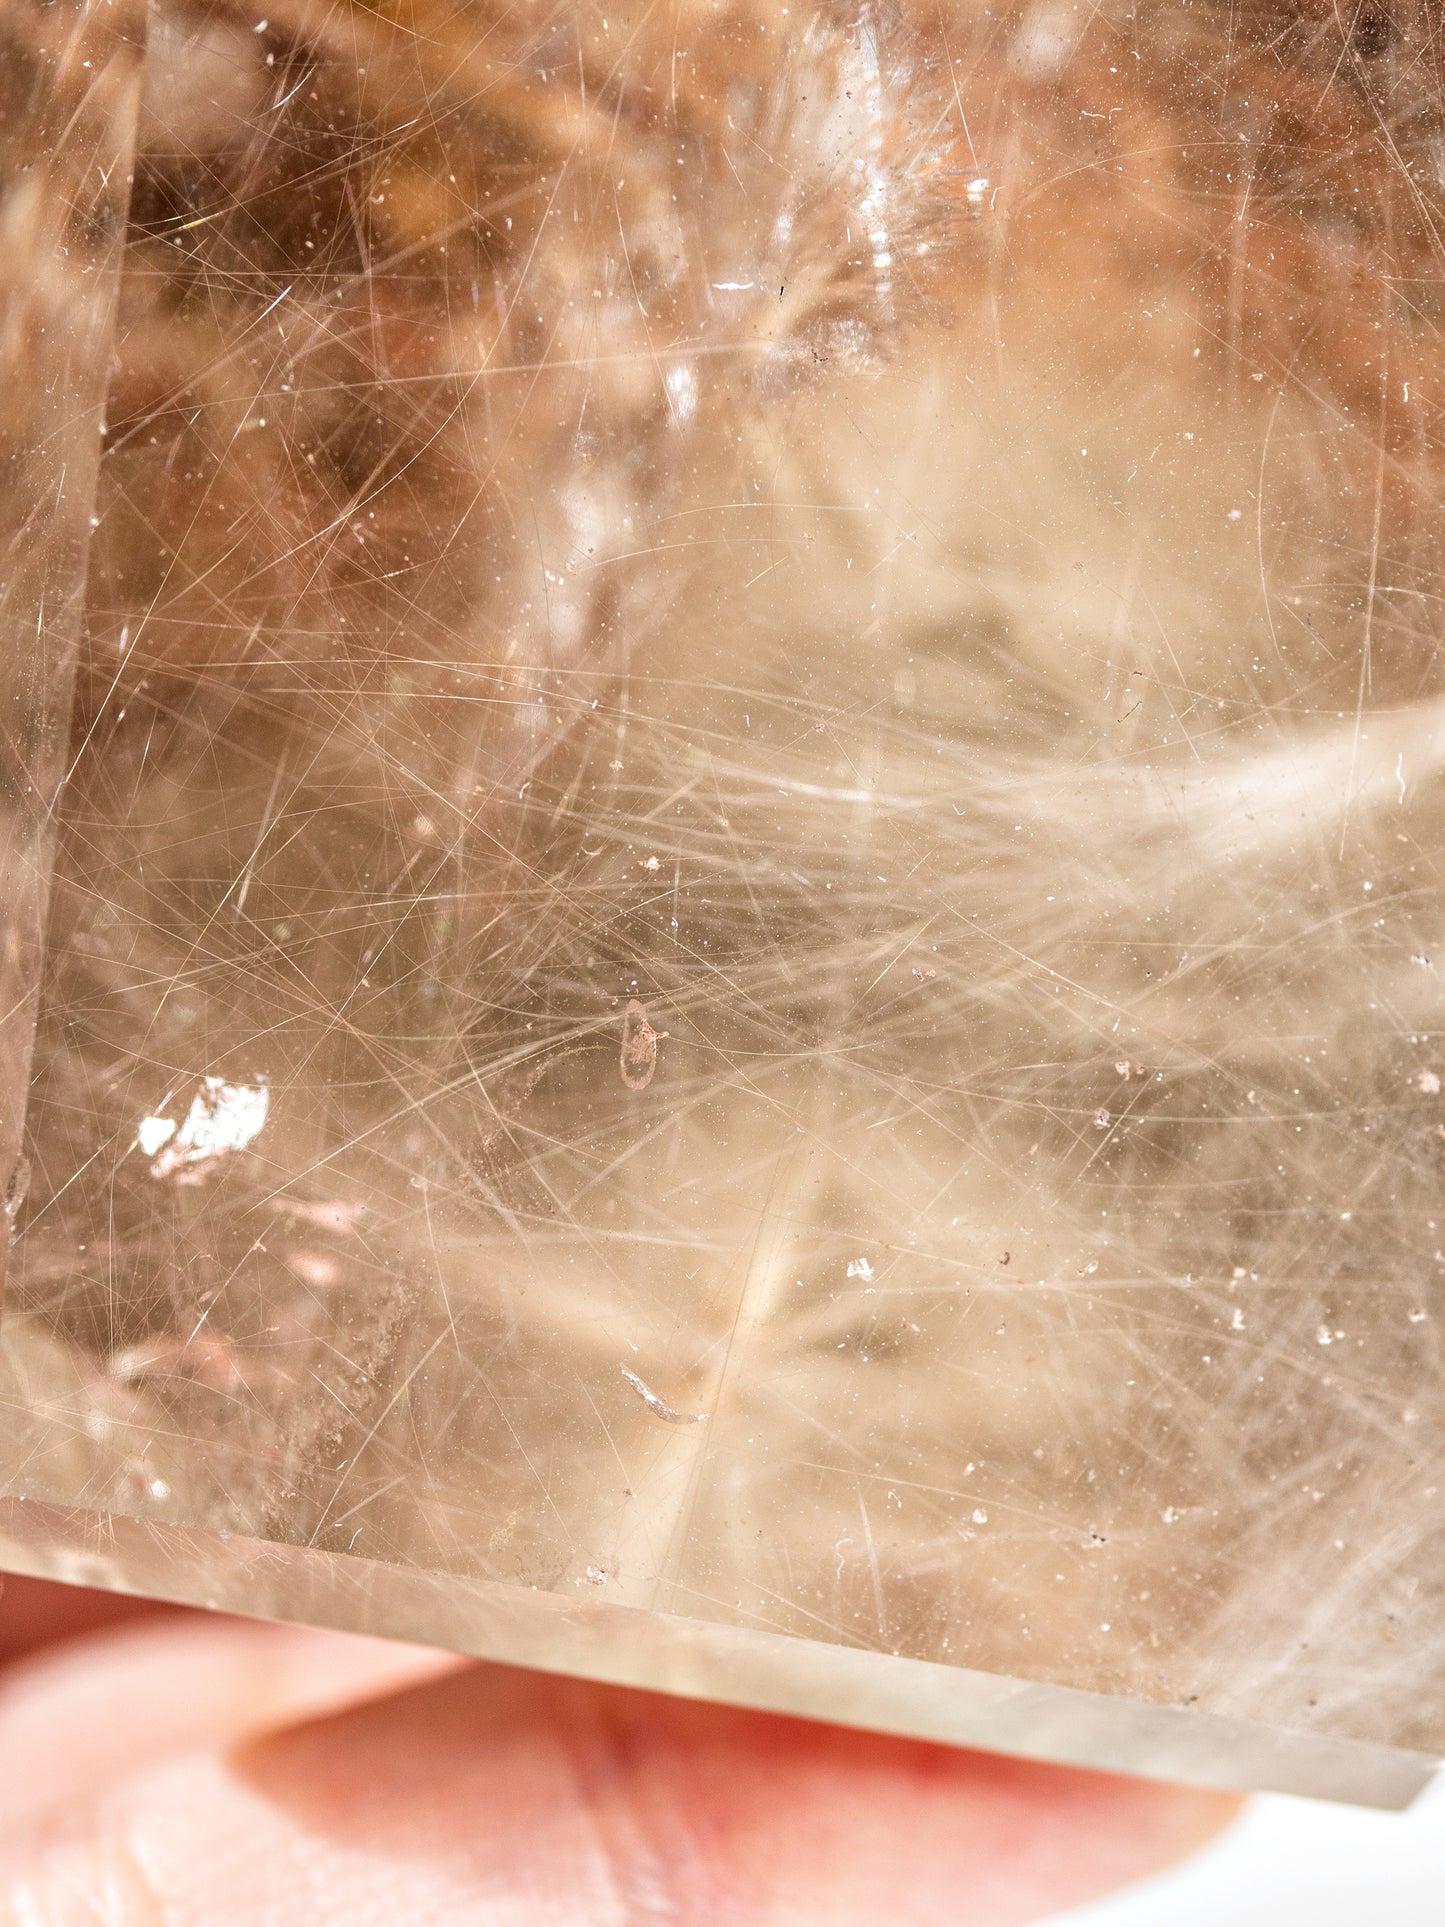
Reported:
(79, 1716)
(521, 1799)
(37, 1612)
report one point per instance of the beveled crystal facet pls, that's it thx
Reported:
(69, 80)
(743, 975)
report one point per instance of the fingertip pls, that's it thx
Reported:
(516, 1797)
(728, 1814)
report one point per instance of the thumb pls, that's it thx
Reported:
(527, 1801)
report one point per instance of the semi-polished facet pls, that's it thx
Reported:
(69, 83)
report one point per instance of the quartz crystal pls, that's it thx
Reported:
(743, 979)
(69, 78)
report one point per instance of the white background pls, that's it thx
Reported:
(1298, 1863)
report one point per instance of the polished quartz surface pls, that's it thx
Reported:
(747, 926)
(69, 83)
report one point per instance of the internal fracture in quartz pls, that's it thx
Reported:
(749, 916)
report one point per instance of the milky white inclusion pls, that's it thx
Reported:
(223, 1117)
